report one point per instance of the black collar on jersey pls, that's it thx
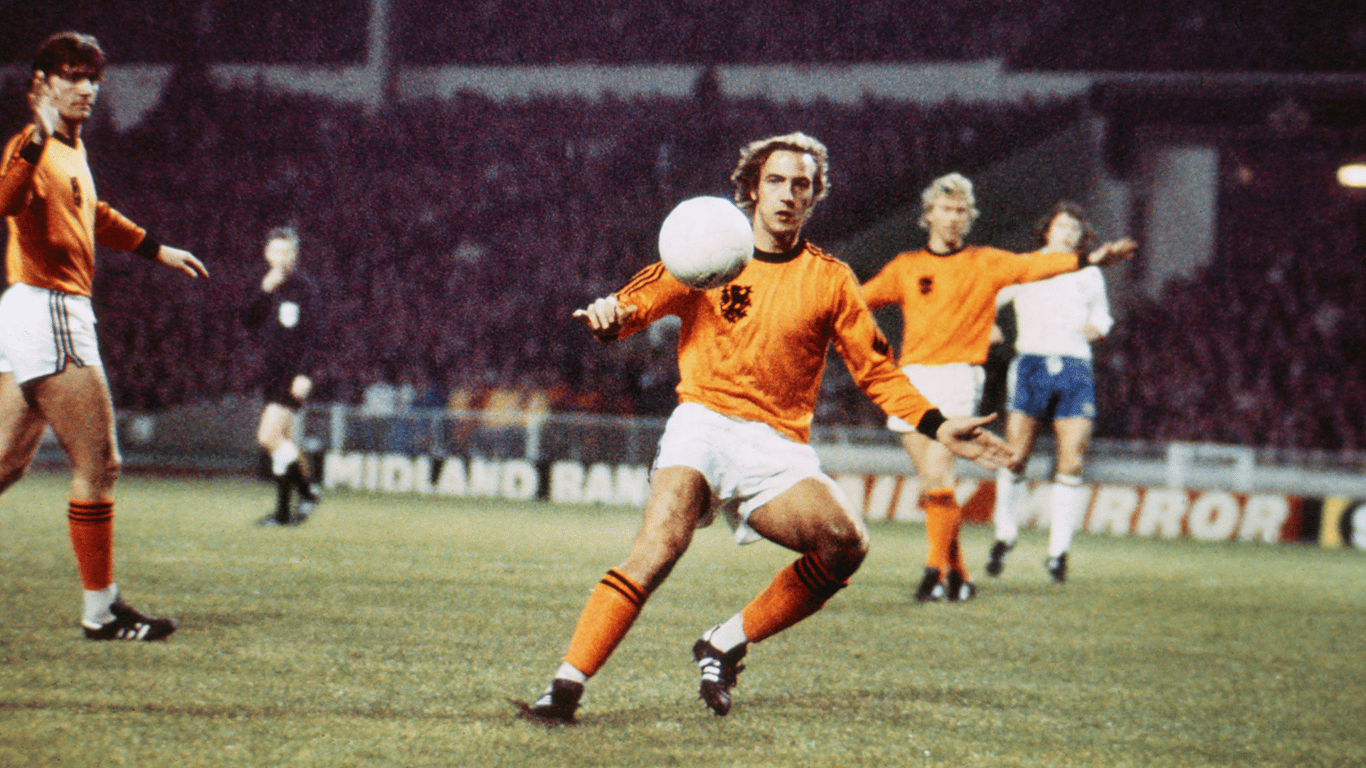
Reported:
(67, 140)
(781, 258)
(932, 252)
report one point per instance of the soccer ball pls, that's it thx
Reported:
(705, 242)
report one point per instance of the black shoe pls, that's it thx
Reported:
(930, 590)
(273, 519)
(1057, 567)
(130, 624)
(556, 706)
(720, 672)
(996, 561)
(957, 589)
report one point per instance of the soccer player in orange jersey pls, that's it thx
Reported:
(50, 370)
(947, 294)
(750, 357)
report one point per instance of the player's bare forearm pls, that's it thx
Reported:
(965, 436)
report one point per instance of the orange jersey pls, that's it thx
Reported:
(755, 349)
(54, 217)
(948, 303)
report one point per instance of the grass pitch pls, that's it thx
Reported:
(391, 631)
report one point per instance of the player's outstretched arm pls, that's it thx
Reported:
(965, 436)
(605, 317)
(1112, 252)
(182, 261)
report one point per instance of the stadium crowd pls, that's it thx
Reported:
(1143, 35)
(452, 239)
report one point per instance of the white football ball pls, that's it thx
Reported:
(705, 242)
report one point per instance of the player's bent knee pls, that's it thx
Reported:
(844, 551)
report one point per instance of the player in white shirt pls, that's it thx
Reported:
(1050, 378)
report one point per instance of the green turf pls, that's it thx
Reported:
(392, 631)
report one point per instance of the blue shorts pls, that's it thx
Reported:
(1052, 387)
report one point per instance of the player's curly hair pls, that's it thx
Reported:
(1088, 235)
(745, 177)
(70, 49)
(949, 185)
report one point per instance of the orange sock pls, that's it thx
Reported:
(607, 616)
(942, 520)
(798, 591)
(91, 524)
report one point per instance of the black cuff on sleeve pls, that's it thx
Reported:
(930, 423)
(149, 248)
(32, 153)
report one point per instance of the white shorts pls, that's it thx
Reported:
(42, 331)
(746, 463)
(954, 388)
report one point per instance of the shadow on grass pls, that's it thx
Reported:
(891, 708)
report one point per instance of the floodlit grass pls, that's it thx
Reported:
(392, 631)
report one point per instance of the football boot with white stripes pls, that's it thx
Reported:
(958, 589)
(720, 672)
(556, 706)
(130, 624)
(930, 589)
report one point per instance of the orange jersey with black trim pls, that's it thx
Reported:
(948, 302)
(755, 349)
(54, 217)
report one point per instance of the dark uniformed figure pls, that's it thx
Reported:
(286, 310)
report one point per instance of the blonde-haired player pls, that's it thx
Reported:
(947, 294)
(50, 370)
(750, 355)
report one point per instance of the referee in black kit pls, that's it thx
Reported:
(287, 309)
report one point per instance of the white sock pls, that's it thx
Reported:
(1066, 498)
(729, 634)
(95, 612)
(568, 671)
(283, 456)
(1009, 485)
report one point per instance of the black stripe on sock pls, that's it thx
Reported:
(813, 576)
(615, 580)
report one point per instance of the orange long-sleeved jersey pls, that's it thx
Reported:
(948, 302)
(755, 349)
(55, 218)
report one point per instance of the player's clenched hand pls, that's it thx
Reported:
(965, 437)
(1112, 252)
(605, 317)
(183, 261)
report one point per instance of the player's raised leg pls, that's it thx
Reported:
(678, 497)
(814, 518)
